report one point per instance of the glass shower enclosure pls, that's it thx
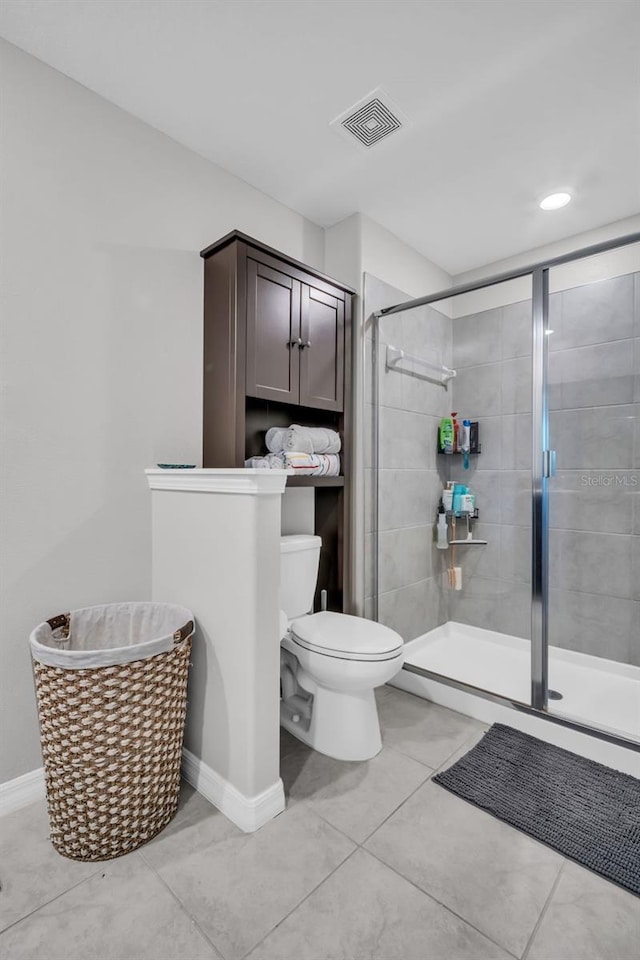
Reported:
(532, 595)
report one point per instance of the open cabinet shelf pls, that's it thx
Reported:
(315, 481)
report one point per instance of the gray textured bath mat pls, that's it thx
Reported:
(582, 809)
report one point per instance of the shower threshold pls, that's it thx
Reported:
(595, 692)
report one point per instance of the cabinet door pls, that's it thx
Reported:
(273, 334)
(322, 350)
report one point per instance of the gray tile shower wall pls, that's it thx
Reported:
(412, 597)
(594, 373)
(595, 496)
(492, 356)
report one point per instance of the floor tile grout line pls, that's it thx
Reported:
(400, 753)
(183, 908)
(437, 769)
(361, 844)
(442, 904)
(429, 771)
(63, 893)
(543, 912)
(320, 816)
(410, 756)
(461, 747)
(394, 811)
(304, 899)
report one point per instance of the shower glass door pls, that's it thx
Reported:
(594, 497)
(464, 606)
(536, 597)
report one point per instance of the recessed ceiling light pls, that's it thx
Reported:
(555, 200)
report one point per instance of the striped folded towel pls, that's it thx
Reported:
(312, 464)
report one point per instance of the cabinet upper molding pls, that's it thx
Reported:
(272, 252)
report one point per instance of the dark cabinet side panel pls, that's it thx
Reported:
(322, 351)
(224, 362)
(273, 331)
(329, 525)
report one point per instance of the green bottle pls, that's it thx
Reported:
(446, 435)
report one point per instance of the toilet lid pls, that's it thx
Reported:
(351, 638)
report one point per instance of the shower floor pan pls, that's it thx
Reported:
(596, 692)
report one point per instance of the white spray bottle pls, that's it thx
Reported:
(441, 542)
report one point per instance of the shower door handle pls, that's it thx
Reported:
(548, 463)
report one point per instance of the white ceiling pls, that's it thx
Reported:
(508, 100)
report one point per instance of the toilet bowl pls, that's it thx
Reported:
(330, 663)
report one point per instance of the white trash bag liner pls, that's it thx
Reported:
(110, 634)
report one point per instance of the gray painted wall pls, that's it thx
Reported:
(96, 324)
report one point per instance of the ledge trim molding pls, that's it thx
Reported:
(245, 482)
(248, 813)
(22, 791)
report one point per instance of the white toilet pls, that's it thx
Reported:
(330, 663)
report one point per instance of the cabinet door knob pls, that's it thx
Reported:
(303, 345)
(296, 343)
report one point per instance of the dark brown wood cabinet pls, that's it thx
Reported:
(276, 350)
(321, 349)
(295, 340)
(273, 334)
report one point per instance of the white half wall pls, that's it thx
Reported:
(103, 219)
(216, 544)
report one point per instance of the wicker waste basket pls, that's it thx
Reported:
(111, 687)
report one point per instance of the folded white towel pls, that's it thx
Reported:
(303, 439)
(275, 439)
(272, 461)
(321, 439)
(312, 464)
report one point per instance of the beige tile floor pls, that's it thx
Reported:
(368, 861)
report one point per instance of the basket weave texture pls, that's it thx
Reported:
(112, 747)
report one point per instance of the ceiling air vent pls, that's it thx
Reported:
(370, 120)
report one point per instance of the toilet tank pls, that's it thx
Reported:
(299, 560)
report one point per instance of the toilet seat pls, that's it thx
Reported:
(346, 638)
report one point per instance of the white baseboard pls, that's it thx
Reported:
(248, 813)
(22, 791)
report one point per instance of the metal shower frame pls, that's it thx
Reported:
(543, 467)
